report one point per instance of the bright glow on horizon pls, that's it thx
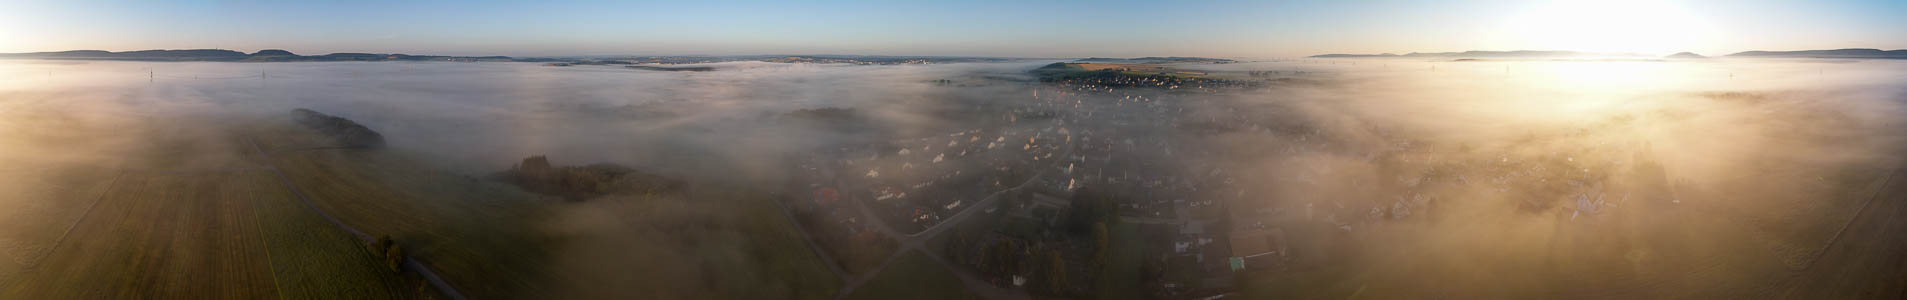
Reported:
(1610, 27)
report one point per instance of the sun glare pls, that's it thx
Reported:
(1639, 27)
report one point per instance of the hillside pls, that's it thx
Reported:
(269, 55)
(1156, 60)
(1685, 55)
(1836, 53)
(1478, 54)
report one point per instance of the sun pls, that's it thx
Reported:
(1640, 27)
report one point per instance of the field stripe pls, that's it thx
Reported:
(82, 218)
(1850, 221)
(277, 286)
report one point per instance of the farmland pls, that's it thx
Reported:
(465, 229)
(184, 215)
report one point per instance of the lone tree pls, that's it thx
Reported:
(394, 258)
(393, 253)
(1056, 274)
(382, 243)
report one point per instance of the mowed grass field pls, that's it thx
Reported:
(479, 235)
(199, 235)
(178, 212)
(313, 260)
(1120, 278)
(156, 234)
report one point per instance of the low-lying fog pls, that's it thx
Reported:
(1496, 153)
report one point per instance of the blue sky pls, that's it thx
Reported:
(985, 28)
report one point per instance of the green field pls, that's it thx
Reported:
(1120, 278)
(709, 243)
(313, 260)
(913, 276)
(474, 234)
(174, 212)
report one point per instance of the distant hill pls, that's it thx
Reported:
(1836, 53)
(672, 69)
(1477, 54)
(1527, 54)
(269, 55)
(1353, 55)
(273, 52)
(1685, 55)
(276, 55)
(1156, 60)
(192, 54)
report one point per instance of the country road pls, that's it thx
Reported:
(915, 241)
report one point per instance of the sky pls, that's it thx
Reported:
(1235, 29)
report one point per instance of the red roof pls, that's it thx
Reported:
(826, 195)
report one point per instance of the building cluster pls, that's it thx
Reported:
(1042, 173)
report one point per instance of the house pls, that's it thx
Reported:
(826, 196)
(1193, 228)
(1257, 249)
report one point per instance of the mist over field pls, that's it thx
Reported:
(489, 115)
(1389, 178)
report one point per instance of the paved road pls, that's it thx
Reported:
(916, 241)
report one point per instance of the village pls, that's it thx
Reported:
(1032, 201)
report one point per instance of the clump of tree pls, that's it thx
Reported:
(576, 183)
(824, 113)
(833, 118)
(345, 132)
(1005, 258)
(392, 252)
